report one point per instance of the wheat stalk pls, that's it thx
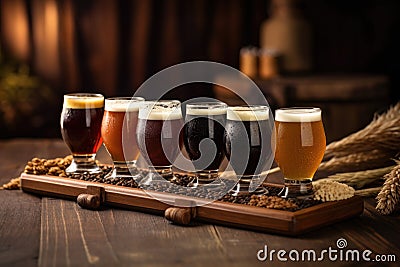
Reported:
(389, 196)
(359, 179)
(368, 192)
(356, 162)
(382, 133)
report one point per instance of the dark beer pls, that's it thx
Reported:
(160, 139)
(205, 121)
(81, 123)
(248, 140)
(81, 119)
(158, 133)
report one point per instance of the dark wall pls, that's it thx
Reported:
(357, 36)
(112, 46)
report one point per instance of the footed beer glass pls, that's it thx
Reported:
(118, 131)
(248, 145)
(81, 130)
(204, 139)
(300, 147)
(158, 136)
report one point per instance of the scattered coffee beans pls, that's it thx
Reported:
(179, 184)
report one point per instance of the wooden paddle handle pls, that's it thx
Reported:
(182, 216)
(92, 199)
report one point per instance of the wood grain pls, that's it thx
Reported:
(19, 213)
(244, 216)
(72, 236)
(33, 228)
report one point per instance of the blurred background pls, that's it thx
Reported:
(340, 55)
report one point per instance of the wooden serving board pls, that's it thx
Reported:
(230, 214)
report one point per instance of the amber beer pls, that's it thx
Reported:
(81, 119)
(159, 135)
(300, 146)
(119, 133)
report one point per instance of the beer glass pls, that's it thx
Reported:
(204, 139)
(159, 138)
(248, 144)
(118, 131)
(81, 118)
(300, 147)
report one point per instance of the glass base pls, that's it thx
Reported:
(83, 164)
(124, 170)
(157, 174)
(210, 178)
(244, 186)
(297, 188)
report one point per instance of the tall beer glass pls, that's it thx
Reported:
(300, 147)
(118, 130)
(81, 130)
(158, 136)
(248, 144)
(204, 138)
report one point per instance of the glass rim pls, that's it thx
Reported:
(298, 114)
(306, 109)
(159, 103)
(123, 104)
(123, 98)
(248, 108)
(248, 113)
(206, 105)
(160, 110)
(84, 95)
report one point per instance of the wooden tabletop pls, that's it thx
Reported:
(53, 232)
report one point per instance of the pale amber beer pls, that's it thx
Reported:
(118, 131)
(300, 145)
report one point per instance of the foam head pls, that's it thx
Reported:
(298, 114)
(161, 110)
(83, 101)
(206, 109)
(123, 104)
(251, 113)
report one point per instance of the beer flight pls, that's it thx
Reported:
(157, 130)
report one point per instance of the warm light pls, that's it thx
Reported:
(14, 23)
(45, 28)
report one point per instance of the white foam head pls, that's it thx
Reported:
(298, 114)
(206, 109)
(123, 105)
(251, 113)
(165, 110)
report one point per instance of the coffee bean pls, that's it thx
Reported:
(57, 167)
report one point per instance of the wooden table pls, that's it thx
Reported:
(53, 232)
